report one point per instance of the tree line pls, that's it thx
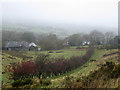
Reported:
(51, 41)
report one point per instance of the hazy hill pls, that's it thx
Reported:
(61, 29)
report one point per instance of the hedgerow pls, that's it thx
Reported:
(46, 69)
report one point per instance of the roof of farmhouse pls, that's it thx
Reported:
(20, 44)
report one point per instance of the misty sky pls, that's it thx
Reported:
(81, 12)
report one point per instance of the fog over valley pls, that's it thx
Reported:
(61, 17)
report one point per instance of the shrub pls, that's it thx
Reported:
(27, 81)
(21, 82)
(41, 59)
(59, 51)
(50, 52)
(27, 86)
(40, 63)
(17, 83)
(68, 82)
(115, 72)
(45, 82)
(22, 70)
(92, 60)
(110, 65)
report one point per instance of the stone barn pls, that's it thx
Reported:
(21, 46)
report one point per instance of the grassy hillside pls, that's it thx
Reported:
(94, 64)
(6, 60)
(107, 75)
(85, 70)
(12, 57)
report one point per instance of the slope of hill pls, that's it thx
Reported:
(84, 76)
(93, 65)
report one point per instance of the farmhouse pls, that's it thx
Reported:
(86, 43)
(20, 46)
(33, 47)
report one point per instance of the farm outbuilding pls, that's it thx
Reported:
(20, 46)
(33, 47)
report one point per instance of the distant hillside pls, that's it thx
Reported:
(60, 29)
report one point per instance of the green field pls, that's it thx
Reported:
(66, 53)
(57, 81)
(9, 57)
